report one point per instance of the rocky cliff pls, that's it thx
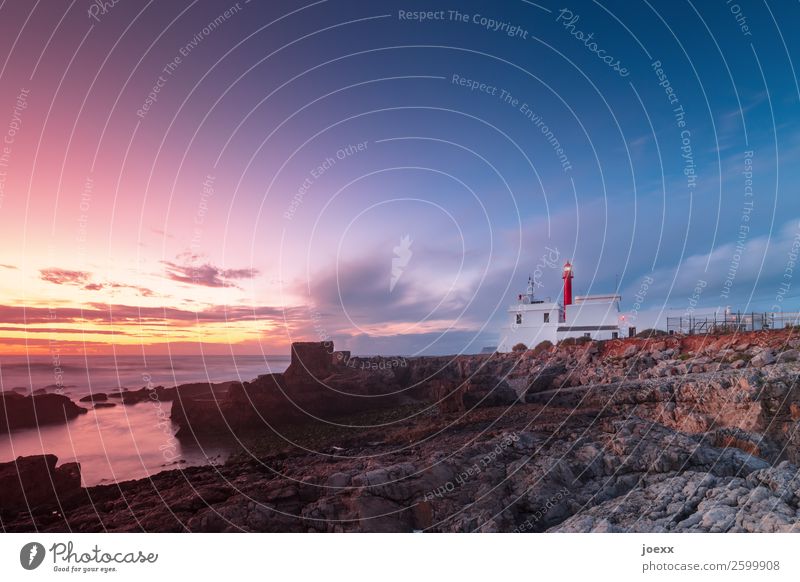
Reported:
(666, 434)
(18, 411)
(318, 386)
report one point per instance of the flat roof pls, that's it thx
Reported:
(605, 298)
(534, 306)
(588, 328)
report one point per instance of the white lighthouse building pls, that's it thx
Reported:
(531, 321)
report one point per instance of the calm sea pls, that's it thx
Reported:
(123, 442)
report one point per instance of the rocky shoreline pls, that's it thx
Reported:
(666, 434)
(19, 411)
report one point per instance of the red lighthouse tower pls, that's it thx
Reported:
(567, 276)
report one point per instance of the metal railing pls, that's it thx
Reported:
(732, 322)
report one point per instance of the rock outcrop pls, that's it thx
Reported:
(316, 387)
(35, 483)
(665, 434)
(17, 411)
(95, 397)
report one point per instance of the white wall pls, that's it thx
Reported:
(597, 314)
(531, 337)
(586, 314)
(533, 329)
(592, 314)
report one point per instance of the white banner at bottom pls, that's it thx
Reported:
(462, 557)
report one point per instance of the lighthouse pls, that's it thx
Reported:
(533, 320)
(567, 276)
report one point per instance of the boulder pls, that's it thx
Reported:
(17, 411)
(548, 378)
(763, 358)
(243, 406)
(162, 394)
(449, 396)
(630, 351)
(310, 360)
(658, 346)
(97, 397)
(34, 481)
(489, 393)
(338, 480)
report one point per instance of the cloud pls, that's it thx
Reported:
(352, 303)
(744, 275)
(52, 330)
(143, 291)
(362, 289)
(64, 276)
(9, 267)
(239, 273)
(83, 279)
(119, 313)
(206, 275)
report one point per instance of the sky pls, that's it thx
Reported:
(229, 177)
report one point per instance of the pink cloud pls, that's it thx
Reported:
(64, 276)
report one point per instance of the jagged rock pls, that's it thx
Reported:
(488, 391)
(763, 358)
(448, 396)
(607, 443)
(315, 387)
(34, 481)
(547, 378)
(96, 397)
(338, 480)
(17, 411)
(159, 393)
(763, 501)
(310, 360)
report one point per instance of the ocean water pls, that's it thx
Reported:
(126, 441)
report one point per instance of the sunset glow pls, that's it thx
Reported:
(223, 186)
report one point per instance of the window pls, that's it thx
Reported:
(614, 335)
(547, 318)
(587, 335)
(519, 319)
